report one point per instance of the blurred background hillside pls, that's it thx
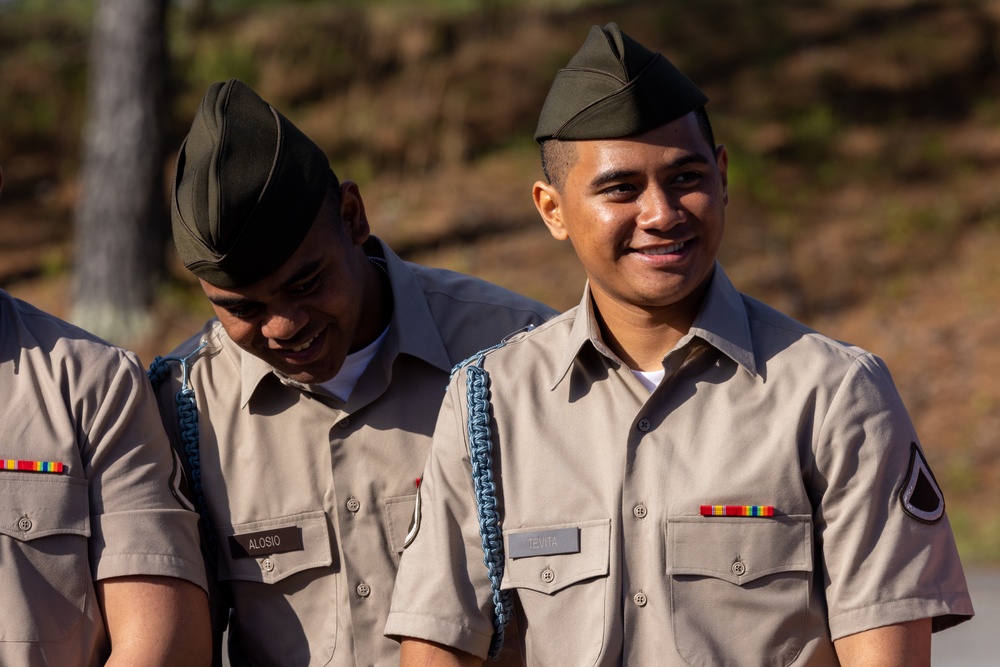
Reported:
(864, 143)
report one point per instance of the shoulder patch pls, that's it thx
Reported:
(921, 496)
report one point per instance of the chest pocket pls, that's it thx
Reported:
(399, 517)
(740, 588)
(44, 564)
(285, 603)
(565, 593)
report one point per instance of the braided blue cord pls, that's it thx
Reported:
(478, 357)
(187, 418)
(480, 446)
(158, 371)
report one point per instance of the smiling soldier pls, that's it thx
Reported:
(683, 475)
(305, 409)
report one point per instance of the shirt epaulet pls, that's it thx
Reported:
(478, 357)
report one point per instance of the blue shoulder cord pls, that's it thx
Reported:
(480, 456)
(187, 418)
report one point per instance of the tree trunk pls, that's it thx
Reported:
(121, 222)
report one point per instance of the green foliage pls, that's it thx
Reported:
(850, 175)
(813, 132)
(221, 61)
(42, 74)
(77, 10)
(976, 532)
(753, 176)
(906, 221)
(55, 263)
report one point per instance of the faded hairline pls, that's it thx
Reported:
(559, 156)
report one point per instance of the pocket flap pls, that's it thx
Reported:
(550, 572)
(739, 549)
(312, 549)
(399, 517)
(36, 505)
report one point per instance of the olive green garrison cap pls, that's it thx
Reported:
(248, 186)
(614, 87)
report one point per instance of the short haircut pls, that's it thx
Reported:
(705, 125)
(558, 157)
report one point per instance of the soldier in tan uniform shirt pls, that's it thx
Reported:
(316, 389)
(672, 473)
(99, 559)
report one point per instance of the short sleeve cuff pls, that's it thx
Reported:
(946, 610)
(439, 631)
(161, 542)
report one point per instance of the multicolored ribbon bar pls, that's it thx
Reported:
(737, 510)
(56, 467)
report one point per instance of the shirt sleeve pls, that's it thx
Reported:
(139, 519)
(882, 565)
(442, 591)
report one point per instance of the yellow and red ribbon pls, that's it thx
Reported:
(56, 467)
(737, 510)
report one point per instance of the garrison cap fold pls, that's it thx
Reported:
(247, 188)
(614, 87)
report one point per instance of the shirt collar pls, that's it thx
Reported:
(721, 322)
(412, 329)
(584, 331)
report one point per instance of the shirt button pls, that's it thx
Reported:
(353, 505)
(548, 576)
(639, 511)
(644, 425)
(739, 569)
(267, 564)
(24, 524)
(344, 423)
(364, 590)
(639, 599)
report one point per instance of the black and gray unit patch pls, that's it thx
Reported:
(921, 496)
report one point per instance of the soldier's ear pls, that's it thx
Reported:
(722, 159)
(352, 212)
(548, 202)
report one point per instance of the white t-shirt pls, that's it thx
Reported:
(649, 379)
(342, 384)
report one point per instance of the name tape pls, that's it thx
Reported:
(544, 542)
(265, 542)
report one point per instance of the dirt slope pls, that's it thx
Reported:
(864, 141)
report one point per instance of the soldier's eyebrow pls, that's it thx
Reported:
(305, 271)
(616, 175)
(230, 302)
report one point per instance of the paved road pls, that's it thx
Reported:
(975, 643)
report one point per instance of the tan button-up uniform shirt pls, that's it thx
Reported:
(83, 410)
(276, 455)
(754, 409)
